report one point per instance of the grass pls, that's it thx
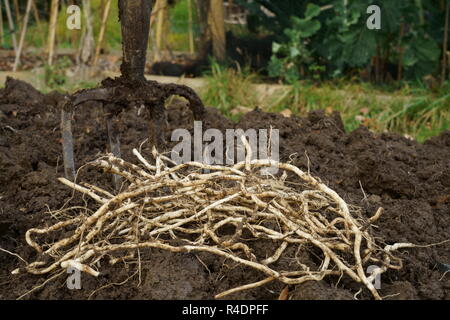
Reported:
(229, 88)
(415, 111)
(178, 37)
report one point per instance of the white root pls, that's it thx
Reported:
(165, 201)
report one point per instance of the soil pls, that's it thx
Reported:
(409, 179)
(252, 52)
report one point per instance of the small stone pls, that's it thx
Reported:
(287, 113)
(374, 198)
(240, 110)
(359, 118)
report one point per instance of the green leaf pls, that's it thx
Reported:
(275, 67)
(359, 46)
(291, 33)
(427, 49)
(292, 75)
(308, 27)
(294, 52)
(312, 11)
(409, 58)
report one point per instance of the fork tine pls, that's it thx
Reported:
(67, 144)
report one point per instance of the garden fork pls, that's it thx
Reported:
(130, 89)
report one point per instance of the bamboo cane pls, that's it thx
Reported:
(17, 15)
(86, 50)
(2, 31)
(52, 30)
(445, 45)
(22, 35)
(202, 8)
(38, 22)
(11, 25)
(101, 35)
(16, 10)
(401, 52)
(36, 14)
(154, 14)
(162, 7)
(421, 13)
(217, 25)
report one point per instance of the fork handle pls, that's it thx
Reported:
(134, 17)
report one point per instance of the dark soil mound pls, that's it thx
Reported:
(410, 180)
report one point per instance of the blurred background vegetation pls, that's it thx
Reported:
(395, 78)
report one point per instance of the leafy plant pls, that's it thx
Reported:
(229, 88)
(408, 45)
(290, 57)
